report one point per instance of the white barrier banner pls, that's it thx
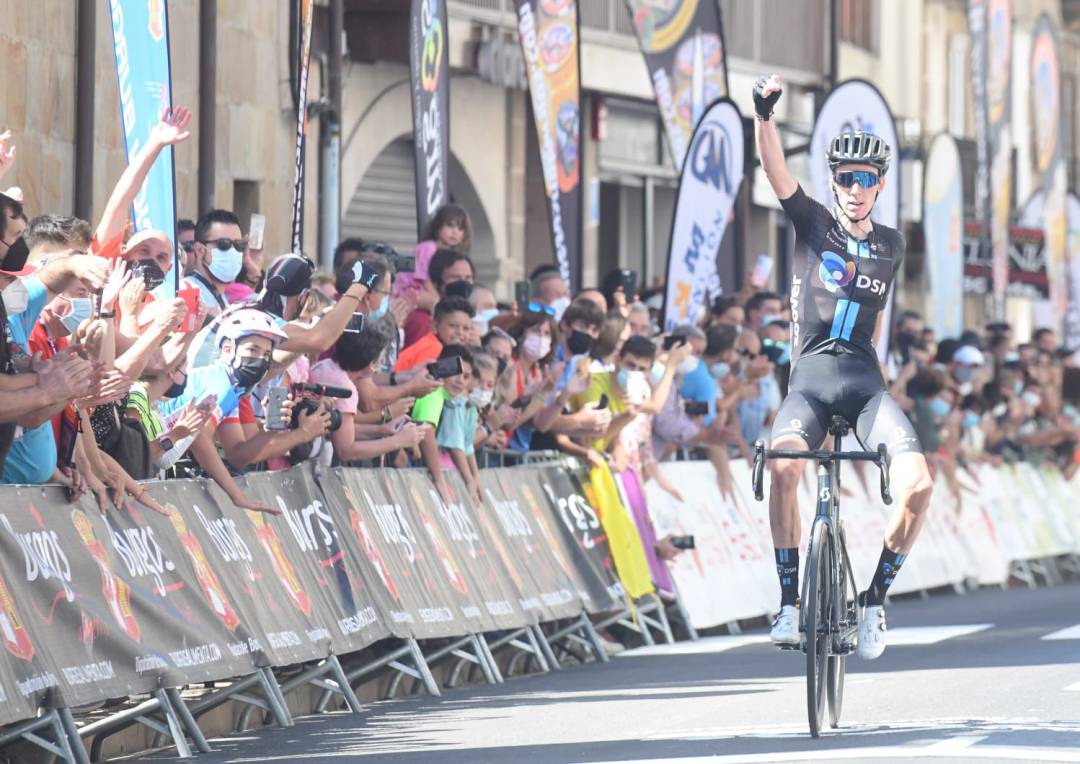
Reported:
(994, 516)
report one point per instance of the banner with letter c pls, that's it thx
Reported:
(683, 45)
(140, 32)
(943, 227)
(710, 180)
(549, 42)
(857, 105)
(429, 64)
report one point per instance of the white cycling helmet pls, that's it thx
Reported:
(248, 322)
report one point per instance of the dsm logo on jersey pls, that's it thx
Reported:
(874, 286)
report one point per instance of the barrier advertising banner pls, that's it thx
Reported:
(429, 69)
(549, 42)
(943, 227)
(140, 33)
(857, 105)
(96, 606)
(307, 12)
(710, 179)
(1000, 515)
(683, 45)
(1050, 167)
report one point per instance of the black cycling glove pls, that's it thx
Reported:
(763, 104)
(365, 274)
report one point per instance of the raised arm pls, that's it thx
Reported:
(168, 132)
(767, 92)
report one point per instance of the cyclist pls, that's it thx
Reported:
(839, 288)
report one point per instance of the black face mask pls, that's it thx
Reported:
(149, 272)
(176, 389)
(579, 342)
(248, 372)
(17, 254)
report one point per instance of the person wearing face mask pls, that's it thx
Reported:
(483, 301)
(761, 307)
(534, 332)
(447, 266)
(246, 338)
(549, 288)
(966, 364)
(219, 256)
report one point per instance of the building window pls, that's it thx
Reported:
(858, 23)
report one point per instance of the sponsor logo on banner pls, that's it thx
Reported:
(430, 74)
(857, 105)
(943, 227)
(710, 180)
(549, 43)
(140, 32)
(683, 45)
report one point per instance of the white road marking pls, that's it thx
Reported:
(1072, 632)
(930, 635)
(996, 752)
(904, 636)
(955, 744)
(701, 647)
(1074, 687)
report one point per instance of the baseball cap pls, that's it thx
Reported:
(968, 355)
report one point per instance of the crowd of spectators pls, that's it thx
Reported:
(116, 369)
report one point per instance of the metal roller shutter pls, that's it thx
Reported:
(384, 205)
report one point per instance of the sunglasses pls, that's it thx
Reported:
(188, 246)
(849, 178)
(225, 244)
(535, 307)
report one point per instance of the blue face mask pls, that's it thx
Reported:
(176, 389)
(971, 420)
(656, 373)
(720, 370)
(939, 408)
(622, 378)
(785, 357)
(225, 264)
(82, 308)
(380, 311)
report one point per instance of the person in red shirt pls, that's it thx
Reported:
(446, 267)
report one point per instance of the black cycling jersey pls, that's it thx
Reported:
(841, 283)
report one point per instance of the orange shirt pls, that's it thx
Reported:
(424, 350)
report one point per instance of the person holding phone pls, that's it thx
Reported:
(452, 326)
(447, 266)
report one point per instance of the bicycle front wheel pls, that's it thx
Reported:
(817, 620)
(846, 594)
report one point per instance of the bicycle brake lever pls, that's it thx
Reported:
(759, 471)
(883, 465)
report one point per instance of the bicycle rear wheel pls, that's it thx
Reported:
(845, 591)
(817, 619)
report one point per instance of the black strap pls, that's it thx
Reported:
(202, 279)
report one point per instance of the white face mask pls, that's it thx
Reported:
(536, 346)
(16, 297)
(559, 306)
(225, 264)
(482, 320)
(688, 365)
(480, 398)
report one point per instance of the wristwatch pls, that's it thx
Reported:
(166, 443)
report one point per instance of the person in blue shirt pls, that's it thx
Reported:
(246, 339)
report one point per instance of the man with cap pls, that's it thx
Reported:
(967, 363)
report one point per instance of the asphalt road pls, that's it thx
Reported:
(987, 676)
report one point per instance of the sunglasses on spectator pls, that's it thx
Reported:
(535, 307)
(226, 244)
(849, 178)
(188, 246)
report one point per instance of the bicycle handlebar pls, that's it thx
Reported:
(761, 455)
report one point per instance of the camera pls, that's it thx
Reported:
(308, 406)
(302, 393)
(683, 542)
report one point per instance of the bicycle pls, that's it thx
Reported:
(828, 616)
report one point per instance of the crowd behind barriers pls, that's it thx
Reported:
(116, 369)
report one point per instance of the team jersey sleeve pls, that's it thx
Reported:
(803, 211)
